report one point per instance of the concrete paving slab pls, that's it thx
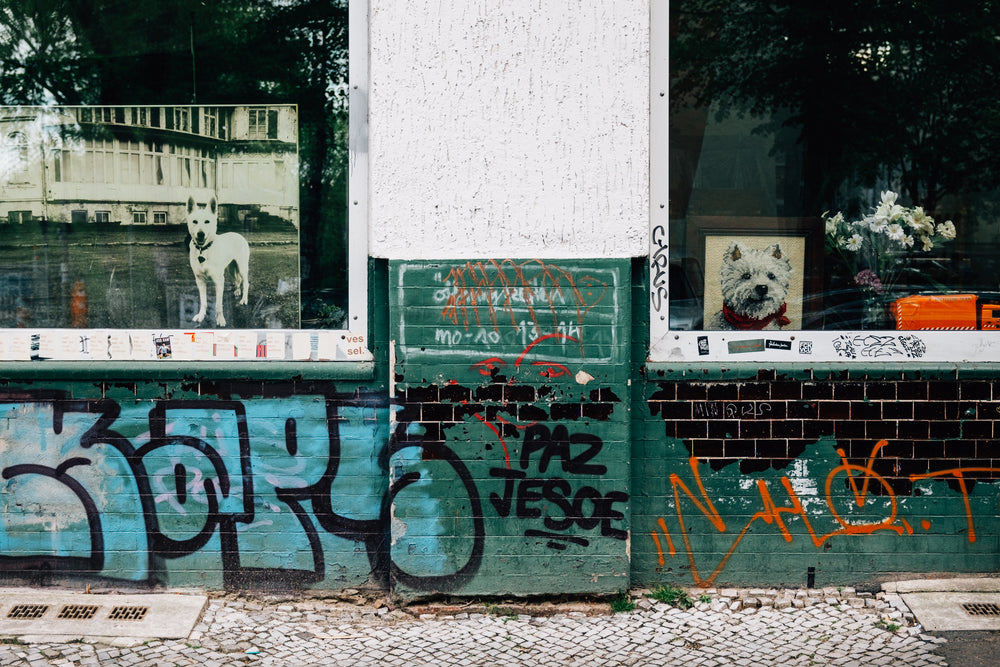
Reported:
(31, 612)
(977, 584)
(944, 611)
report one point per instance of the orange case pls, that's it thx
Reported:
(940, 312)
(990, 316)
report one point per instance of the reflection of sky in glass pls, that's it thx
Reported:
(46, 130)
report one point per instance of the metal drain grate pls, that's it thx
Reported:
(981, 608)
(128, 613)
(27, 611)
(78, 612)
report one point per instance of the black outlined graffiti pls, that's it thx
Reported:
(441, 452)
(875, 346)
(95, 562)
(585, 508)
(252, 484)
(203, 474)
(659, 263)
(914, 346)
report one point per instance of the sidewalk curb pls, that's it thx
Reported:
(982, 584)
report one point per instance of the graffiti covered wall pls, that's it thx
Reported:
(513, 374)
(820, 478)
(522, 446)
(285, 488)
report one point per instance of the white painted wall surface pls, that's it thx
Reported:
(509, 128)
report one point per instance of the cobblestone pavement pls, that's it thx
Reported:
(827, 627)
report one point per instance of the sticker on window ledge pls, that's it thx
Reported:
(179, 345)
(743, 346)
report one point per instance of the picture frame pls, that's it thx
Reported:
(800, 240)
(127, 217)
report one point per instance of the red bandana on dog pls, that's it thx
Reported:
(754, 323)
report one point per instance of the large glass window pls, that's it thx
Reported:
(830, 170)
(229, 113)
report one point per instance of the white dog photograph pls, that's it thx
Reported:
(754, 282)
(166, 217)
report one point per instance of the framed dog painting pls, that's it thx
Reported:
(162, 217)
(759, 272)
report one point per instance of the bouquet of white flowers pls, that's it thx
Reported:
(876, 248)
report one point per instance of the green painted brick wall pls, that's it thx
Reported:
(510, 437)
(513, 377)
(852, 478)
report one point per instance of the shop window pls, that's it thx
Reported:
(823, 183)
(270, 171)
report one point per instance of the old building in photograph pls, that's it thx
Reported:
(95, 203)
(137, 165)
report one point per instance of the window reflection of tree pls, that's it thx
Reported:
(153, 53)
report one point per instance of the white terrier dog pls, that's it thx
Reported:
(754, 289)
(213, 256)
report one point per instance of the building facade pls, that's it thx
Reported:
(522, 414)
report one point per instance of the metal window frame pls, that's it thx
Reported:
(357, 326)
(798, 347)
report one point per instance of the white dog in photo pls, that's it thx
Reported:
(215, 255)
(754, 285)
